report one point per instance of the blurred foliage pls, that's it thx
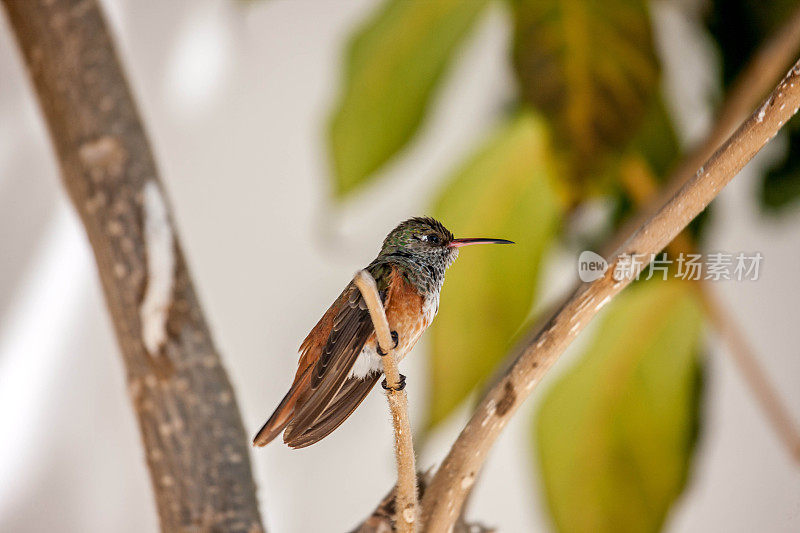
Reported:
(655, 147)
(394, 62)
(739, 27)
(655, 140)
(615, 434)
(506, 190)
(590, 67)
(780, 187)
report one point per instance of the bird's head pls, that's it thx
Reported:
(425, 239)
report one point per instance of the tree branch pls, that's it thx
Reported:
(382, 518)
(767, 64)
(192, 432)
(641, 186)
(442, 502)
(406, 508)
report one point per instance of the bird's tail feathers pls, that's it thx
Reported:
(284, 412)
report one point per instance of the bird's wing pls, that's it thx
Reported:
(350, 329)
(348, 398)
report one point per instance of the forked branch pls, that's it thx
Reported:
(406, 509)
(444, 498)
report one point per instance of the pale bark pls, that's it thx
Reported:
(194, 441)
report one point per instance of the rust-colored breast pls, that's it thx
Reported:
(404, 312)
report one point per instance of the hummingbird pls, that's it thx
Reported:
(340, 360)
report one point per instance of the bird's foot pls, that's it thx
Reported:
(400, 386)
(395, 339)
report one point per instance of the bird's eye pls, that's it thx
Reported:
(433, 238)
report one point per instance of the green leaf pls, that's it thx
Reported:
(589, 66)
(504, 191)
(394, 62)
(615, 434)
(655, 147)
(656, 140)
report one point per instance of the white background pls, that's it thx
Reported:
(235, 97)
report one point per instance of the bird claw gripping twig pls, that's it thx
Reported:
(400, 386)
(395, 339)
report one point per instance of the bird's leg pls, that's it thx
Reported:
(395, 339)
(400, 386)
(384, 384)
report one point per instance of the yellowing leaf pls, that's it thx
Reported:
(393, 65)
(589, 66)
(615, 434)
(505, 191)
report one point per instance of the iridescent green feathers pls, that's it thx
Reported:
(410, 232)
(420, 248)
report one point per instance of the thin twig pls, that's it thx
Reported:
(442, 502)
(754, 376)
(406, 506)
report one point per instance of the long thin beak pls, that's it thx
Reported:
(457, 243)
